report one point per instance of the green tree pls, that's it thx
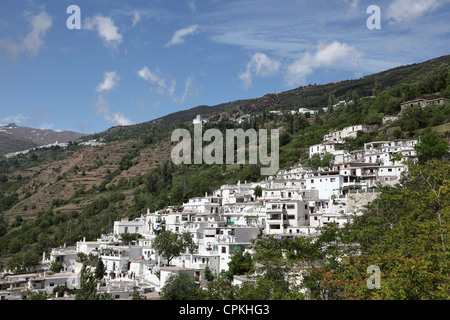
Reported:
(180, 286)
(100, 269)
(219, 289)
(257, 192)
(327, 160)
(56, 266)
(171, 245)
(88, 285)
(276, 275)
(23, 261)
(3, 225)
(209, 276)
(285, 138)
(127, 238)
(431, 146)
(240, 264)
(405, 233)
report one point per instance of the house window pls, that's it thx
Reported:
(290, 206)
(306, 217)
(332, 179)
(224, 249)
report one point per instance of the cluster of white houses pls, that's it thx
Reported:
(294, 203)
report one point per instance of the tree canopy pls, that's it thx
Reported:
(171, 244)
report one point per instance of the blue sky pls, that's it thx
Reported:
(135, 61)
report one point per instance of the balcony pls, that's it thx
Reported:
(114, 254)
(276, 210)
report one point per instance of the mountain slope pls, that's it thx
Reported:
(312, 96)
(26, 138)
(11, 143)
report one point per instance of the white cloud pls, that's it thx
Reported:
(179, 35)
(34, 40)
(192, 6)
(106, 29)
(156, 80)
(354, 4)
(259, 65)
(40, 24)
(407, 10)
(165, 85)
(325, 56)
(110, 81)
(46, 126)
(136, 18)
(103, 109)
(17, 119)
(188, 87)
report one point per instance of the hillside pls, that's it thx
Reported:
(311, 96)
(16, 138)
(11, 143)
(87, 168)
(57, 195)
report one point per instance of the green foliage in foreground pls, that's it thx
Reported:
(405, 232)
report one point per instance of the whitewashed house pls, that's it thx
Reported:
(284, 214)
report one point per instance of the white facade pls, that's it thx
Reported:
(306, 110)
(284, 214)
(347, 132)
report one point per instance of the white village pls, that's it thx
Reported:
(293, 203)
